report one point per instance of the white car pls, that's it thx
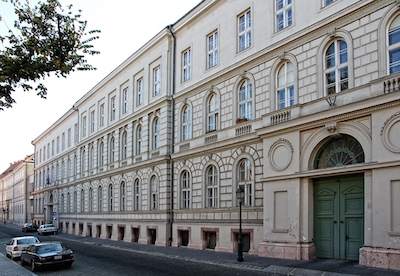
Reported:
(17, 244)
(46, 229)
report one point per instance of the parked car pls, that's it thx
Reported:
(29, 227)
(17, 244)
(46, 229)
(47, 254)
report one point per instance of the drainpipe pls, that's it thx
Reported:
(173, 133)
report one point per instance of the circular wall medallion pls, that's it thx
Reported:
(280, 154)
(391, 133)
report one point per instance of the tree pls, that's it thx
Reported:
(50, 40)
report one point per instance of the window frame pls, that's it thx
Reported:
(124, 148)
(287, 85)
(246, 32)
(212, 112)
(248, 114)
(102, 114)
(156, 133)
(140, 91)
(154, 192)
(213, 51)
(113, 109)
(157, 81)
(123, 196)
(185, 190)
(186, 122)
(211, 201)
(125, 100)
(139, 139)
(247, 183)
(186, 64)
(136, 191)
(336, 68)
(287, 20)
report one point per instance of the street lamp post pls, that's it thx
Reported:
(240, 198)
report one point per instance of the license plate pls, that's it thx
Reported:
(57, 257)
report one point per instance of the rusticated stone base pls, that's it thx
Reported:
(291, 251)
(379, 257)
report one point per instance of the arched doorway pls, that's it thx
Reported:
(339, 201)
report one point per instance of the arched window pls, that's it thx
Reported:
(90, 200)
(62, 203)
(75, 165)
(110, 198)
(156, 133)
(101, 154)
(68, 203)
(245, 100)
(211, 187)
(154, 193)
(75, 202)
(185, 190)
(122, 196)
(83, 155)
(136, 187)
(139, 140)
(112, 150)
(212, 113)
(69, 166)
(394, 45)
(62, 169)
(339, 152)
(285, 85)
(91, 159)
(186, 123)
(82, 201)
(100, 199)
(124, 145)
(245, 180)
(336, 67)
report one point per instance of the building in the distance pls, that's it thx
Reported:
(295, 102)
(16, 185)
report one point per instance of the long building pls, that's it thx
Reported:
(295, 102)
(16, 186)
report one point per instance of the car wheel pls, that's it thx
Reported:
(33, 267)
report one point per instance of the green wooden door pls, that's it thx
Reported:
(339, 217)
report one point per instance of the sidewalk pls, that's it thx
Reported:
(268, 265)
(11, 268)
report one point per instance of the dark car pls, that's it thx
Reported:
(47, 254)
(29, 227)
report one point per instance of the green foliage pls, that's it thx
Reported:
(49, 40)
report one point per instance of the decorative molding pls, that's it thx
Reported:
(389, 126)
(281, 144)
(332, 32)
(332, 128)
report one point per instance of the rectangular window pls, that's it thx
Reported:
(125, 96)
(48, 150)
(212, 46)
(283, 14)
(52, 148)
(58, 144)
(69, 137)
(84, 126)
(157, 81)
(76, 133)
(63, 141)
(186, 65)
(92, 120)
(112, 118)
(327, 2)
(102, 115)
(244, 30)
(44, 153)
(140, 91)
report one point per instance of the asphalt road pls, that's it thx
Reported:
(97, 259)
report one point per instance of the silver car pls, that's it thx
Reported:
(46, 229)
(17, 244)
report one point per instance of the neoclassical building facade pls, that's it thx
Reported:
(298, 105)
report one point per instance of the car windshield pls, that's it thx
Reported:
(26, 241)
(50, 247)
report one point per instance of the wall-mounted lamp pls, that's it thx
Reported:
(331, 99)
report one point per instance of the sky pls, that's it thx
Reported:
(125, 26)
